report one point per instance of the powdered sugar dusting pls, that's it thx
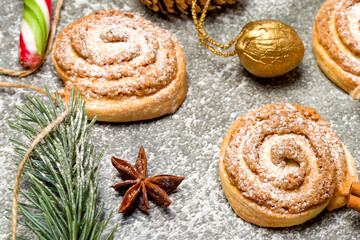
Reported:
(335, 25)
(265, 139)
(115, 54)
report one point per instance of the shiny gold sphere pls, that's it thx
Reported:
(268, 48)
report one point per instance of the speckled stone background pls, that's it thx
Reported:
(187, 142)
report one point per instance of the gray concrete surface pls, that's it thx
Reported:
(187, 142)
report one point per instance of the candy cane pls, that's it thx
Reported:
(35, 27)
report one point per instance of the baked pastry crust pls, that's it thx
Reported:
(125, 68)
(336, 43)
(281, 165)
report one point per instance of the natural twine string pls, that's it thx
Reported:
(27, 72)
(203, 36)
(22, 85)
(46, 130)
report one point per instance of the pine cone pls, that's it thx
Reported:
(182, 6)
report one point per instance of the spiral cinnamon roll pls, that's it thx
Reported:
(336, 43)
(282, 164)
(126, 68)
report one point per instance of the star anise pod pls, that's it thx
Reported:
(137, 188)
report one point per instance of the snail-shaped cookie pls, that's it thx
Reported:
(336, 43)
(126, 68)
(282, 164)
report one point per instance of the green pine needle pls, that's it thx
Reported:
(61, 174)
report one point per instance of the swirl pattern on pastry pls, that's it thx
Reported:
(118, 58)
(282, 164)
(336, 43)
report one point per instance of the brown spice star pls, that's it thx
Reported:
(137, 187)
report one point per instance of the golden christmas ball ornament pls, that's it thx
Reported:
(182, 6)
(266, 48)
